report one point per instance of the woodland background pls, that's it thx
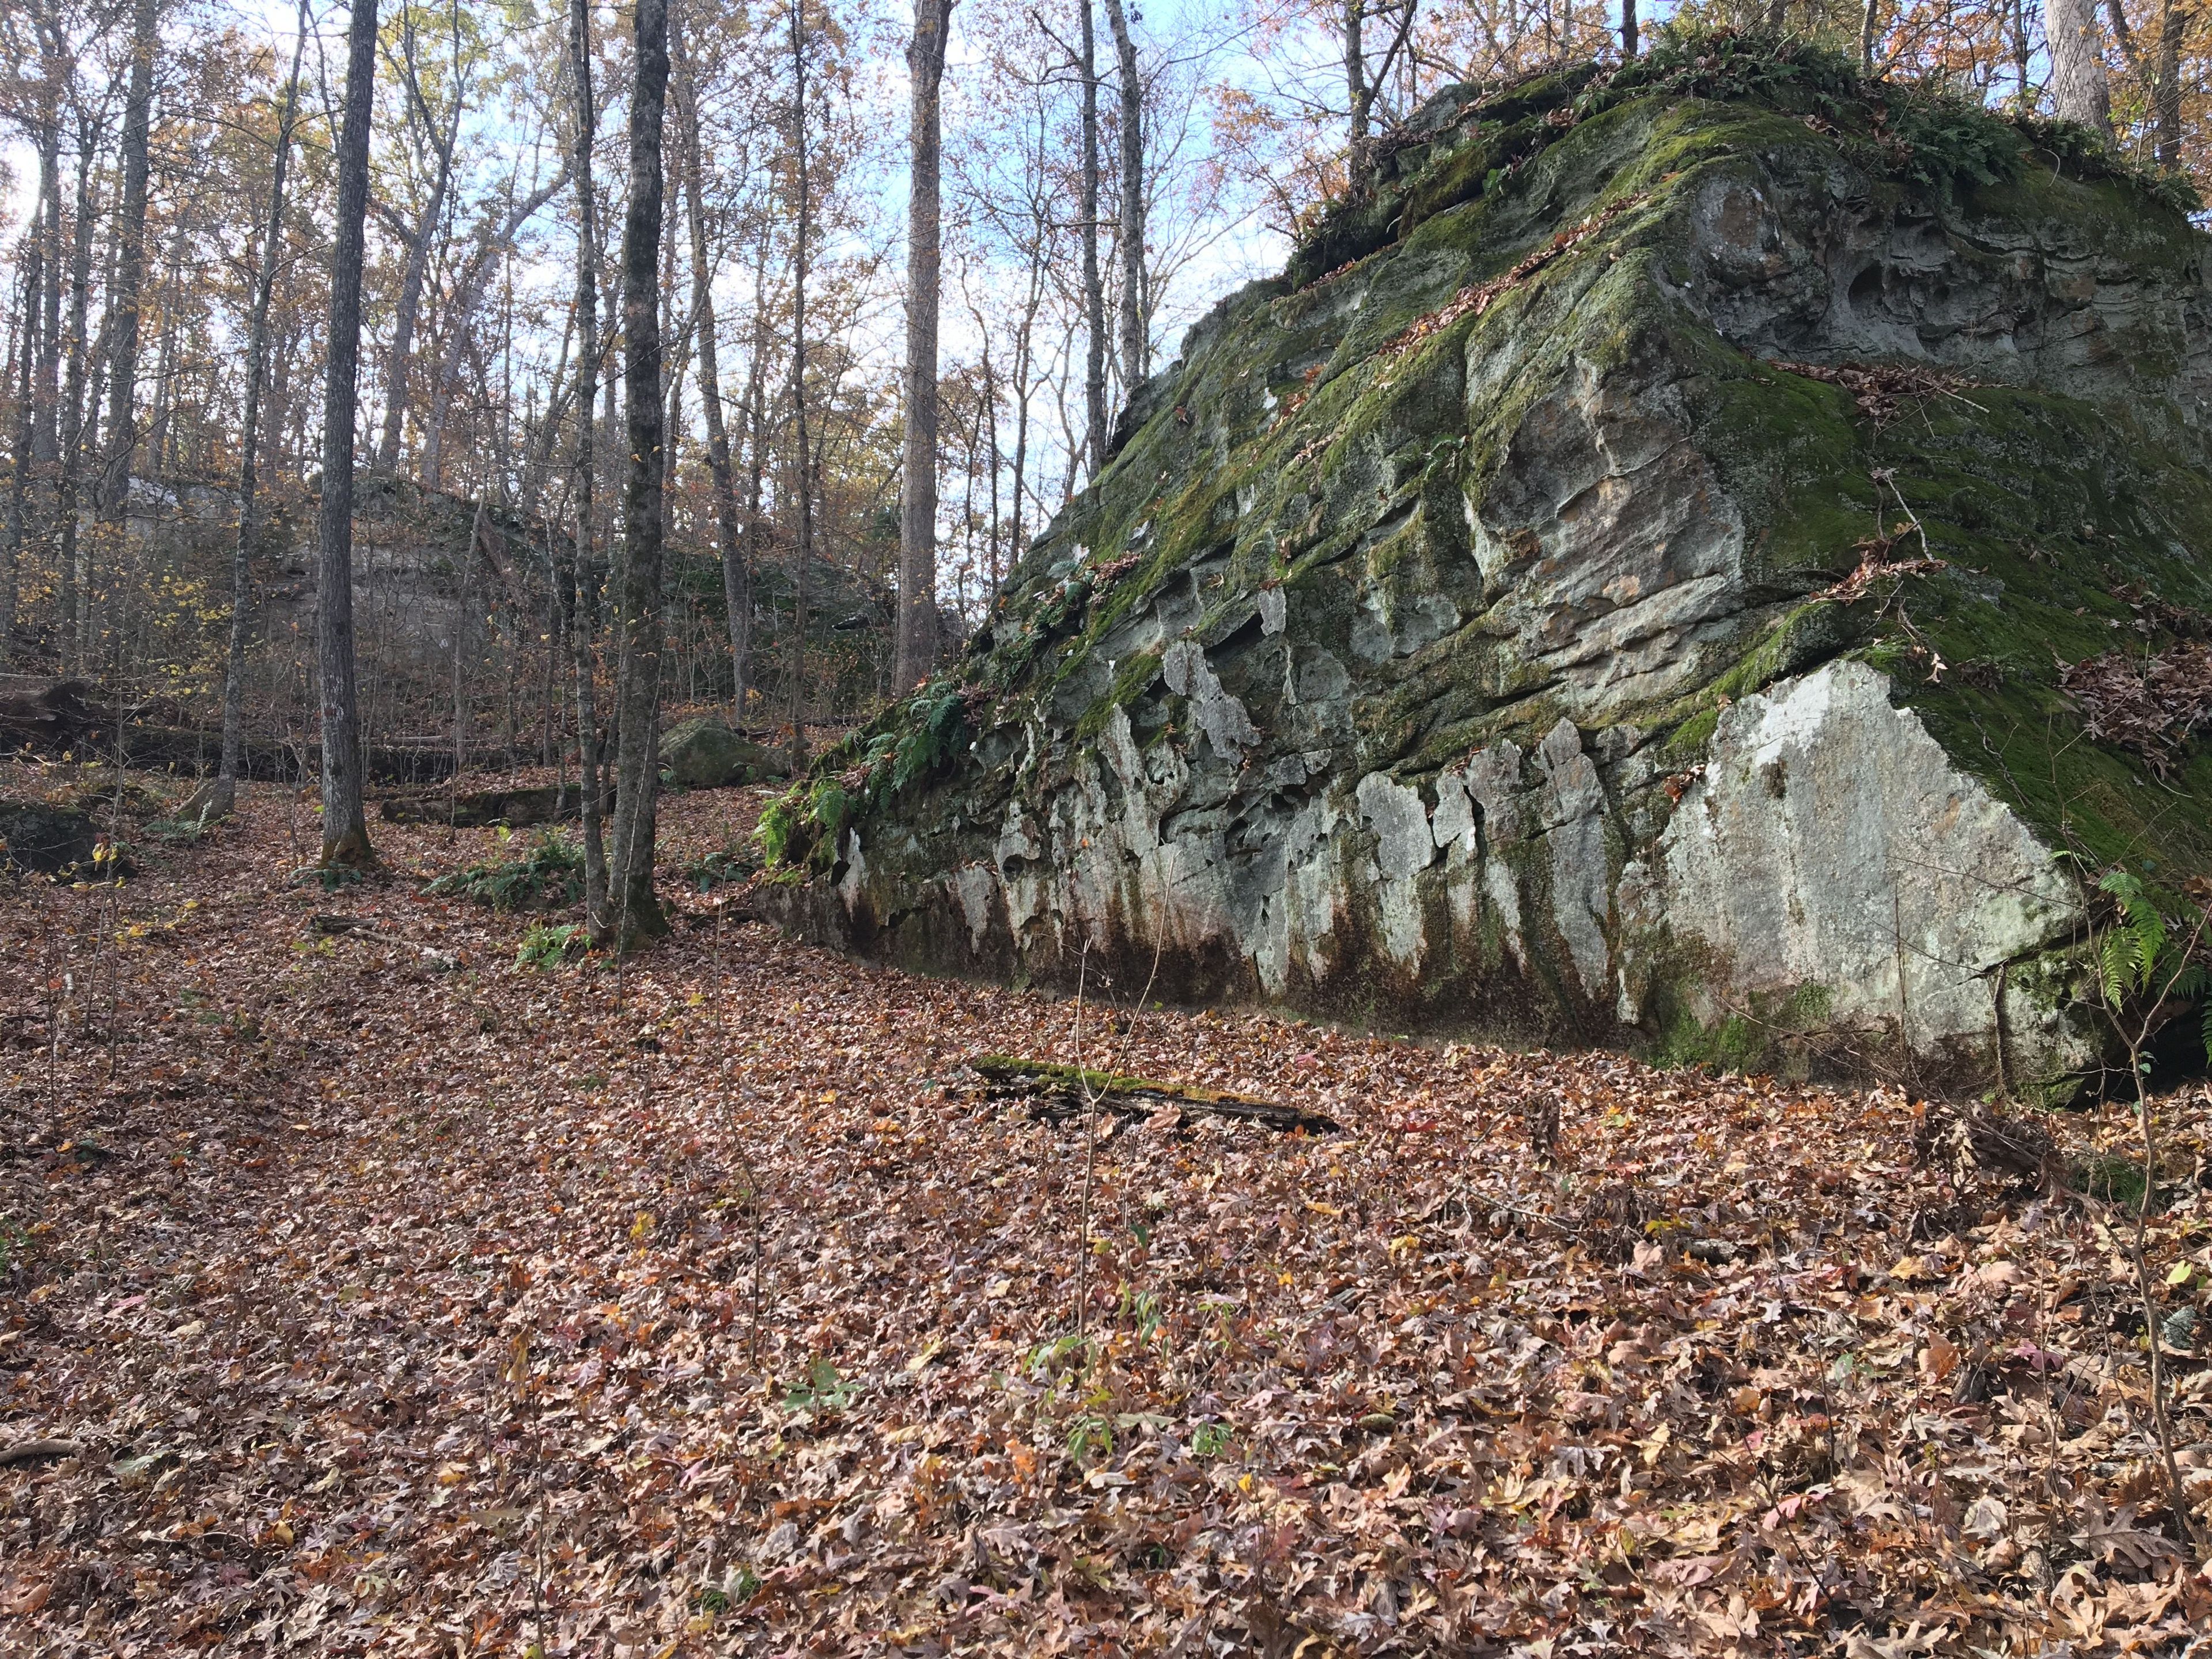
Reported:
(1245, 118)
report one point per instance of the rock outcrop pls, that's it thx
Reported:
(1617, 587)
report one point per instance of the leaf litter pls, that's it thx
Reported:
(375, 1293)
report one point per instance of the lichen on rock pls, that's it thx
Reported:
(1512, 621)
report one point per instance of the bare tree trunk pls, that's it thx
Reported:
(2078, 89)
(915, 644)
(1094, 290)
(756, 395)
(1628, 33)
(1136, 324)
(736, 595)
(19, 482)
(2160, 71)
(45, 438)
(637, 677)
(74, 417)
(468, 295)
(129, 278)
(223, 796)
(803, 472)
(2166, 94)
(580, 587)
(418, 246)
(1359, 97)
(345, 826)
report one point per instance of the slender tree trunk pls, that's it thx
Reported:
(803, 472)
(1359, 97)
(45, 441)
(345, 826)
(1094, 288)
(74, 418)
(637, 680)
(580, 589)
(1628, 41)
(130, 274)
(915, 639)
(756, 410)
(468, 295)
(229, 769)
(737, 594)
(19, 481)
(1136, 323)
(2078, 89)
(418, 251)
(2166, 86)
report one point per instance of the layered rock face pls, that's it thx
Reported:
(1614, 588)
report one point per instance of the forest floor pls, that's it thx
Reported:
(390, 1295)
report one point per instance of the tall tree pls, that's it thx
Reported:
(2079, 91)
(579, 582)
(915, 644)
(68, 553)
(1628, 41)
(803, 471)
(125, 300)
(1136, 324)
(418, 240)
(345, 828)
(19, 446)
(2157, 66)
(637, 676)
(1094, 287)
(737, 588)
(223, 795)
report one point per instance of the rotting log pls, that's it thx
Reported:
(37, 1451)
(1057, 1092)
(516, 808)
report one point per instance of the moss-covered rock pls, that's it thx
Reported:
(1614, 589)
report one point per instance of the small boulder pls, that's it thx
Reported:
(705, 754)
(51, 840)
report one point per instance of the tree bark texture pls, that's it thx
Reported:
(637, 677)
(579, 582)
(257, 371)
(803, 471)
(737, 587)
(1094, 288)
(345, 829)
(915, 646)
(130, 280)
(418, 251)
(1135, 322)
(2079, 91)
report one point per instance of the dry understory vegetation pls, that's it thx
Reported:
(385, 1294)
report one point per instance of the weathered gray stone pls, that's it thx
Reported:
(704, 754)
(1512, 674)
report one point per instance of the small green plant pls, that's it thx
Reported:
(726, 867)
(2148, 955)
(1211, 1440)
(823, 1391)
(12, 1240)
(1089, 1431)
(548, 947)
(176, 832)
(547, 877)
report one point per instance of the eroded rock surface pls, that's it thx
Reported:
(1623, 602)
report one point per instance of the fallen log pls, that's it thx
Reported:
(516, 808)
(1057, 1092)
(37, 1451)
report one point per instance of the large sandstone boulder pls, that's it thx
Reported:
(705, 754)
(1650, 572)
